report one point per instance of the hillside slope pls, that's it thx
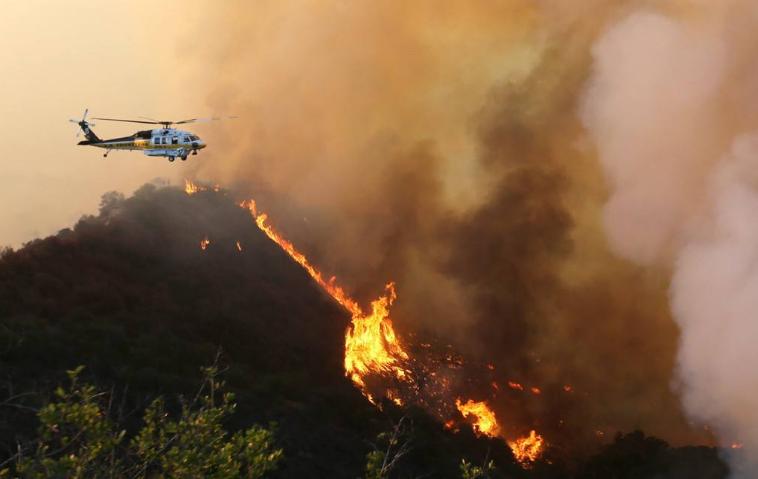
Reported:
(132, 295)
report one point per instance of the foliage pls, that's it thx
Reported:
(196, 444)
(77, 439)
(470, 471)
(391, 447)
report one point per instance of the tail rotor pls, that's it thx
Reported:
(84, 126)
(83, 123)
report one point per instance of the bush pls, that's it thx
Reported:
(77, 439)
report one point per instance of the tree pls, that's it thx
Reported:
(77, 439)
(196, 445)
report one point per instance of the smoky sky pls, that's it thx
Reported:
(443, 146)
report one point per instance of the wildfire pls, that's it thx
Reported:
(527, 449)
(392, 396)
(190, 187)
(483, 418)
(373, 348)
(371, 345)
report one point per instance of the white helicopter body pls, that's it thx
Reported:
(167, 142)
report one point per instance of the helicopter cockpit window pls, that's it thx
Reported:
(186, 139)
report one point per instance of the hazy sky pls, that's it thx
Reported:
(119, 58)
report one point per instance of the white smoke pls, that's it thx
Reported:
(714, 297)
(648, 110)
(667, 105)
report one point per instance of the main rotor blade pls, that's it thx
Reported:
(215, 118)
(86, 110)
(156, 122)
(131, 121)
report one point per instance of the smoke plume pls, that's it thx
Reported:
(437, 144)
(670, 107)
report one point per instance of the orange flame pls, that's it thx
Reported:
(392, 396)
(204, 243)
(483, 418)
(190, 187)
(371, 345)
(527, 449)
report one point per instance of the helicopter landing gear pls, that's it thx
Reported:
(171, 158)
(184, 158)
(105, 155)
(194, 152)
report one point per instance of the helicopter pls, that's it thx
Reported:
(163, 142)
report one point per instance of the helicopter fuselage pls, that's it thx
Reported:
(164, 142)
(167, 141)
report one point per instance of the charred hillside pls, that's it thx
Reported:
(154, 286)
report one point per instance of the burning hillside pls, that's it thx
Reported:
(159, 281)
(373, 350)
(483, 212)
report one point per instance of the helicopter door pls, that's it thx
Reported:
(174, 140)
